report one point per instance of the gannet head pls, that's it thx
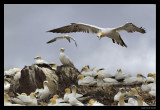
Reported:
(38, 57)
(67, 90)
(62, 50)
(45, 83)
(32, 95)
(55, 96)
(17, 71)
(80, 76)
(91, 102)
(99, 76)
(133, 91)
(122, 90)
(53, 64)
(140, 75)
(84, 69)
(53, 101)
(24, 94)
(100, 35)
(99, 70)
(4, 70)
(149, 75)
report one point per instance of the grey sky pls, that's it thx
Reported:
(25, 35)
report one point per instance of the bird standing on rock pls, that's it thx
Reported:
(65, 60)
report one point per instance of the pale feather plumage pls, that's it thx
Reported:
(112, 33)
(63, 37)
(43, 93)
(65, 60)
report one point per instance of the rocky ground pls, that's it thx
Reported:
(32, 77)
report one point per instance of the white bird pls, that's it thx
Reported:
(121, 91)
(44, 92)
(139, 101)
(103, 73)
(93, 102)
(134, 80)
(39, 60)
(6, 86)
(63, 37)
(88, 80)
(149, 77)
(140, 78)
(121, 100)
(121, 75)
(53, 102)
(105, 81)
(53, 66)
(26, 100)
(65, 60)
(85, 71)
(72, 98)
(153, 86)
(58, 100)
(11, 71)
(7, 103)
(17, 75)
(112, 33)
(145, 87)
(68, 93)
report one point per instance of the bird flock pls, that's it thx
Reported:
(89, 76)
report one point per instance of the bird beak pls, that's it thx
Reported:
(99, 37)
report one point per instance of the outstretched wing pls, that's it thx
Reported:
(77, 27)
(67, 37)
(130, 27)
(54, 39)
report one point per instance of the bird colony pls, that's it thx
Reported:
(90, 83)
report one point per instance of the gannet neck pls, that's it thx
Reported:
(121, 99)
(53, 101)
(135, 92)
(140, 101)
(5, 97)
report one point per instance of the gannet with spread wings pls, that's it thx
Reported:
(63, 37)
(112, 33)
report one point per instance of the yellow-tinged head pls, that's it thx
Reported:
(84, 69)
(99, 76)
(24, 94)
(80, 76)
(53, 101)
(55, 96)
(53, 64)
(17, 71)
(100, 35)
(45, 83)
(62, 50)
(38, 57)
(32, 95)
(4, 70)
(91, 101)
(67, 90)
(149, 75)
(140, 75)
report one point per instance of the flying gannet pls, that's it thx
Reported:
(63, 37)
(112, 33)
(65, 60)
